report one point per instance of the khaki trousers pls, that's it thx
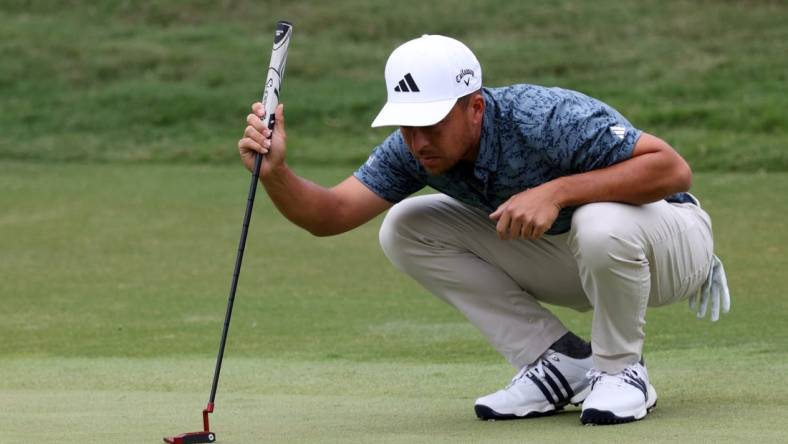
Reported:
(617, 259)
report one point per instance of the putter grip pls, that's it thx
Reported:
(276, 70)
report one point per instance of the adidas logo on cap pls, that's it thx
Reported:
(407, 84)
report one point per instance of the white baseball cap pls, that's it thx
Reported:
(424, 79)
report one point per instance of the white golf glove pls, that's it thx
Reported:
(716, 289)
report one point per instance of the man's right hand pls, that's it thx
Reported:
(258, 138)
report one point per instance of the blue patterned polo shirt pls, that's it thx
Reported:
(530, 135)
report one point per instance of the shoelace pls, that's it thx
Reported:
(537, 368)
(593, 375)
(629, 376)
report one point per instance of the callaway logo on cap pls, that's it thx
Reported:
(424, 79)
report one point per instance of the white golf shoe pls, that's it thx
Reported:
(538, 389)
(618, 398)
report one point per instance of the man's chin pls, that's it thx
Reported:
(434, 168)
(434, 171)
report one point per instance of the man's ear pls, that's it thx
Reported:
(477, 107)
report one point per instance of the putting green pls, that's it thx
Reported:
(114, 279)
(710, 395)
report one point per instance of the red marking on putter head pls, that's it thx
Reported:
(191, 438)
(196, 437)
(208, 409)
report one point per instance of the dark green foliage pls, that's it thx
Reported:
(172, 81)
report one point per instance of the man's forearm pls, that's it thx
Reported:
(646, 178)
(304, 203)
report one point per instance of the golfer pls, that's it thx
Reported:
(546, 196)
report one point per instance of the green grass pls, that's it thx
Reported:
(110, 81)
(121, 199)
(124, 400)
(114, 287)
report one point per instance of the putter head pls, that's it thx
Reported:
(191, 438)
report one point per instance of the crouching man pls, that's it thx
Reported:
(546, 196)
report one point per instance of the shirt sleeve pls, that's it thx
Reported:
(581, 134)
(390, 171)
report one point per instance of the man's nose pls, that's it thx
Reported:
(419, 139)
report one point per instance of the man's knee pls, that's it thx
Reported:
(398, 228)
(602, 235)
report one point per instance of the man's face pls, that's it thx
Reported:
(439, 147)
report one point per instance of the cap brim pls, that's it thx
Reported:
(413, 114)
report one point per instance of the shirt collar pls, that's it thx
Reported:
(487, 159)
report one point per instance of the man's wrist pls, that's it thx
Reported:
(560, 192)
(277, 176)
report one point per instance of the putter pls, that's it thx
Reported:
(276, 70)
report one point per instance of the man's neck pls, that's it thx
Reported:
(473, 152)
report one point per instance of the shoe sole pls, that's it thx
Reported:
(606, 417)
(487, 414)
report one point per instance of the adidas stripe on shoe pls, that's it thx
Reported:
(539, 389)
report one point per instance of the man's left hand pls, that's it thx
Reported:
(527, 215)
